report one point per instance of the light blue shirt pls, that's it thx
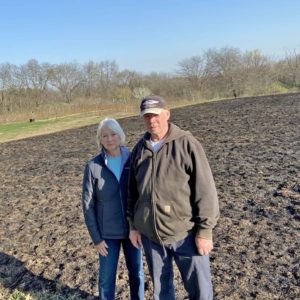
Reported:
(156, 145)
(114, 164)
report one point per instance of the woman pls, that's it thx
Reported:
(104, 206)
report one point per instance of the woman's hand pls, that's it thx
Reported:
(135, 238)
(102, 248)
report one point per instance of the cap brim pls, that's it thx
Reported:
(156, 111)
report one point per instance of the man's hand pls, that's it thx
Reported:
(135, 238)
(204, 246)
(102, 248)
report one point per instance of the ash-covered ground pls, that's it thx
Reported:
(253, 146)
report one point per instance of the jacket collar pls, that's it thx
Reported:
(174, 133)
(124, 154)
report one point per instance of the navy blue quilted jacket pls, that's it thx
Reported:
(104, 198)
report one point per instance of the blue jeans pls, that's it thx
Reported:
(194, 269)
(108, 270)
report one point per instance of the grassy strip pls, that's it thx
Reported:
(18, 295)
(19, 130)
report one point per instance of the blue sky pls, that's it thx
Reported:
(143, 35)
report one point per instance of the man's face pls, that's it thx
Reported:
(157, 125)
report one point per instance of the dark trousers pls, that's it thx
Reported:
(194, 269)
(109, 265)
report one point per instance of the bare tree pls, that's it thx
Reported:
(36, 78)
(158, 83)
(256, 75)
(130, 79)
(290, 68)
(108, 76)
(224, 68)
(66, 78)
(92, 78)
(10, 87)
(195, 70)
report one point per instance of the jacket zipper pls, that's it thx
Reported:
(152, 198)
(121, 199)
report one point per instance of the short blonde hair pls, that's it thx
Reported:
(114, 126)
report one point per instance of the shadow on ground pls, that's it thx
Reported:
(15, 275)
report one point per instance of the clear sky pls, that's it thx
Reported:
(143, 35)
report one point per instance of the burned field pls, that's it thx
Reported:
(253, 147)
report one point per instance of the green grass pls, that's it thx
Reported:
(19, 130)
(17, 295)
(44, 295)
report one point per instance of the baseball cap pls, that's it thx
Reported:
(152, 105)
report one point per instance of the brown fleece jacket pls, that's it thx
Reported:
(171, 191)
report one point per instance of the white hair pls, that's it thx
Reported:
(114, 126)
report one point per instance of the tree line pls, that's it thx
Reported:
(215, 73)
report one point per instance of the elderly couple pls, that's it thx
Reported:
(162, 196)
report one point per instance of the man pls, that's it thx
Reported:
(172, 204)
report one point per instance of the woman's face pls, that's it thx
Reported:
(110, 140)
